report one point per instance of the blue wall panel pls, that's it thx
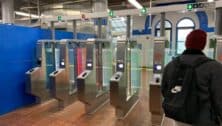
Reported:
(45, 34)
(17, 55)
(63, 35)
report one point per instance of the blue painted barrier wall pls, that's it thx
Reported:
(46, 34)
(17, 55)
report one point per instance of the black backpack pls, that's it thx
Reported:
(181, 99)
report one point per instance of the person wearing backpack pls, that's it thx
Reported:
(192, 86)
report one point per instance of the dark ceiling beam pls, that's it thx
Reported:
(113, 4)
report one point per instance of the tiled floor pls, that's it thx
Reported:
(73, 115)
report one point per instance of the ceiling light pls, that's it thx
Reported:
(26, 14)
(210, 0)
(136, 4)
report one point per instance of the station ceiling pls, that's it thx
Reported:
(113, 4)
(31, 5)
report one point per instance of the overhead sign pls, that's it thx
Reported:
(144, 11)
(111, 13)
(59, 18)
(189, 7)
(192, 6)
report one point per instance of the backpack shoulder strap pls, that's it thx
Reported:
(179, 65)
(200, 61)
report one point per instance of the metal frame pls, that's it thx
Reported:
(119, 84)
(171, 31)
(36, 83)
(87, 81)
(155, 92)
(60, 78)
(218, 55)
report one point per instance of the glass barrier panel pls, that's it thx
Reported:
(50, 62)
(128, 72)
(107, 67)
(168, 56)
(72, 86)
(57, 55)
(91, 80)
(135, 70)
(150, 57)
(209, 53)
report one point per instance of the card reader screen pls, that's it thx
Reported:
(158, 67)
(89, 64)
(120, 66)
(62, 63)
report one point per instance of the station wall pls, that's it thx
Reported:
(174, 18)
(202, 20)
(17, 55)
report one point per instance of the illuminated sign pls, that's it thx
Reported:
(111, 13)
(59, 18)
(192, 6)
(143, 11)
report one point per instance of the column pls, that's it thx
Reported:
(128, 26)
(52, 31)
(218, 25)
(99, 6)
(8, 11)
(162, 24)
(74, 29)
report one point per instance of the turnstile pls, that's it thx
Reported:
(125, 83)
(38, 83)
(210, 51)
(155, 96)
(63, 80)
(214, 50)
(218, 54)
(93, 83)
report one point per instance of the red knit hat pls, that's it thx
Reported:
(196, 40)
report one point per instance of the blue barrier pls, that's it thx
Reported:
(17, 55)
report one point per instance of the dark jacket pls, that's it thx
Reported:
(209, 77)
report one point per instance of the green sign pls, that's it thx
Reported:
(143, 11)
(189, 7)
(111, 13)
(192, 6)
(59, 18)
